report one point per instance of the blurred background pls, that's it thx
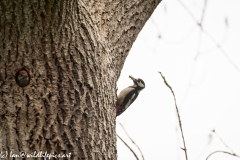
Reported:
(196, 46)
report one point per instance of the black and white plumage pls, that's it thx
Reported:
(128, 95)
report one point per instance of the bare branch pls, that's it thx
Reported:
(131, 139)
(179, 119)
(203, 12)
(200, 33)
(232, 154)
(189, 12)
(210, 36)
(214, 131)
(128, 147)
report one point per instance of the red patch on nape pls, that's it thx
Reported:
(23, 72)
(117, 108)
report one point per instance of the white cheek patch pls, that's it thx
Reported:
(140, 84)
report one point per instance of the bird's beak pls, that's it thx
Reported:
(134, 80)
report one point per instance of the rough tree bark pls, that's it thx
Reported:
(74, 52)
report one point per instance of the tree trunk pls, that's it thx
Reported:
(73, 52)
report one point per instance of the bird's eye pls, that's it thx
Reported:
(138, 80)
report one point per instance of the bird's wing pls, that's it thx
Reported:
(121, 96)
(131, 97)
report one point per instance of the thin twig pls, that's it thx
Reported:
(179, 119)
(131, 139)
(204, 11)
(214, 131)
(210, 36)
(232, 154)
(189, 12)
(200, 31)
(128, 147)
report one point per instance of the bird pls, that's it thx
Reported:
(22, 78)
(128, 95)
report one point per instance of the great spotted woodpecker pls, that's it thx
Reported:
(128, 95)
(22, 78)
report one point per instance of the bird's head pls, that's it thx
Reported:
(22, 74)
(22, 78)
(138, 83)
